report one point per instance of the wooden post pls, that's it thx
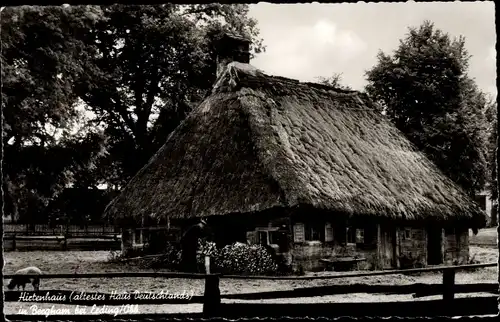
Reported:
(398, 248)
(207, 264)
(211, 298)
(448, 284)
(379, 261)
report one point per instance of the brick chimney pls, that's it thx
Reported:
(231, 48)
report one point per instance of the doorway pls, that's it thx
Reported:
(434, 246)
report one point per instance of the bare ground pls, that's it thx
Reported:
(98, 261)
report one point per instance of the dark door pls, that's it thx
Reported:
(434, 243)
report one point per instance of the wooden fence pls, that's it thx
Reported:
(59, 236)
(213, 306)
(47, 230)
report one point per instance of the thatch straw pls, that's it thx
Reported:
(260, 142)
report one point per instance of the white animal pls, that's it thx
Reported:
(20, 280)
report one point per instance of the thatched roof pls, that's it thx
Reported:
(259, 142)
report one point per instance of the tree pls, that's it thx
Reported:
(136, 71)
(425, 90)
(334, 81)
(154, 63)
(497, 162)
(492, 142)
(41, 57)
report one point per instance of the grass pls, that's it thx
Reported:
(486, 236)
(101, 261)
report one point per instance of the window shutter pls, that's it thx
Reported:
(360, 236)
(328, 232)
(252, 237)
(298, 233)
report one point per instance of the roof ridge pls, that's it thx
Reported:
(233, 69)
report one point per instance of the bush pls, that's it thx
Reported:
(245, 259)
(237, 258)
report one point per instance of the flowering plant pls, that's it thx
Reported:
(240, 258)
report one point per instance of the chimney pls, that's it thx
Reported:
(231, 48)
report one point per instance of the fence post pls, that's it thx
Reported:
(207, 264)
(211, 298)
(448, 284)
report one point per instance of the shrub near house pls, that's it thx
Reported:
(245, 259)
(237, 258)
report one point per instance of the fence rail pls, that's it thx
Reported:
(378, 273)
(212, 305)
(35, 236)
(44, 229)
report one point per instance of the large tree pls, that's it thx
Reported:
(154, 63)
(126, 75)
(492, 178)
(42, 55)
(426, 91)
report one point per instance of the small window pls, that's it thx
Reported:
(314, 232)
(351, 235)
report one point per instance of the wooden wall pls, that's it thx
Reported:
(413, 250)
(456, 246)
(385, 247)
(307, 255)
(394, 246)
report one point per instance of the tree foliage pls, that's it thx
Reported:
(126, 75)
(492, 144)
(41, 57)
(426, 92)
(334, 81)
(154, 63)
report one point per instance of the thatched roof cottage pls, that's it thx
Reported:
(312, 170)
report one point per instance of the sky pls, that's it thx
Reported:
(305, 41)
